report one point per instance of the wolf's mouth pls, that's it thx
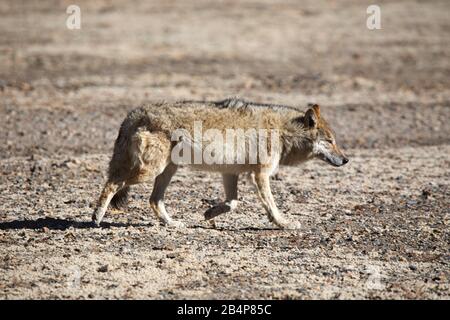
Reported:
(334, 164)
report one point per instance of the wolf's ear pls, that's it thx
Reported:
(316, 109)
(311, 118)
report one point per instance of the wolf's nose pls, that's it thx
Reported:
(344, 161)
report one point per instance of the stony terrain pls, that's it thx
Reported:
(376, 228)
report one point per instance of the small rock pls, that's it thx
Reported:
(426, 194)
(277, 177)
(103, 268)
(172, 255)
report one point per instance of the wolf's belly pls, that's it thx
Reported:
(225, 168)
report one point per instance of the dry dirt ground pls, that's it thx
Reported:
(376, 228)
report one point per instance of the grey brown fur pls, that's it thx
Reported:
(238, 103)
(144, 146)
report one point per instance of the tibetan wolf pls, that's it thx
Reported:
(154, 140)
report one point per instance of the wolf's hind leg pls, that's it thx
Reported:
(157, 197)
(230, 182)
(107, 194)
(263, 186)
(149, 156)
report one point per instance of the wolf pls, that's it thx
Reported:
(145, 147)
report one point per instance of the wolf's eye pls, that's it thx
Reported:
(329, 141)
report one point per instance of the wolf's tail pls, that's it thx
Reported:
(120, 199)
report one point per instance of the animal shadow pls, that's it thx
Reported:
(60, 224)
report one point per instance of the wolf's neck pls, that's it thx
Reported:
(295, 146)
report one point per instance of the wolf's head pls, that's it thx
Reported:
(321, 137)
(315, 139)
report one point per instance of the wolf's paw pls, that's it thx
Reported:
(175, 224)
(95, 224)
(288, 225)
(96, 219)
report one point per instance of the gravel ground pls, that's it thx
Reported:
(377, 228)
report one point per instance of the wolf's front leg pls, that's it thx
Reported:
(157, 197)
(263, 186)
(230, 182)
